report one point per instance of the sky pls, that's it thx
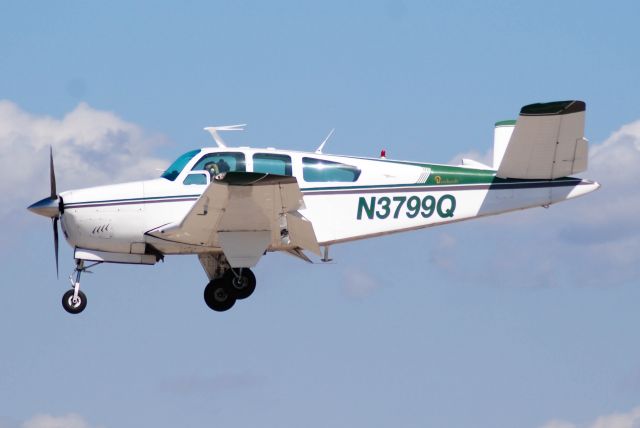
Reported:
(527, 319)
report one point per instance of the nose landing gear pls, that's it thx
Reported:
(74, 301)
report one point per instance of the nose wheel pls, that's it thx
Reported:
(74, 304)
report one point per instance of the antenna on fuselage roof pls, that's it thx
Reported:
(213, 130)
(321, 146)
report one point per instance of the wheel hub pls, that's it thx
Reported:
(221, 295)
(239, 283)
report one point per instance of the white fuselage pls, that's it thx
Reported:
(385, 197)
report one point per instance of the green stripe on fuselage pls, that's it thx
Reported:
(450, 174)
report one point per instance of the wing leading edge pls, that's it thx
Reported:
(547, 142)
(245, 213)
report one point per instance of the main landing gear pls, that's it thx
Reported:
(226, 284)
(221, 293)
(74, 301)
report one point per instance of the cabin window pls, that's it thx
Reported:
(319, 170)
(217, 163)
(176, 167)
(271, 163)
(195, 178)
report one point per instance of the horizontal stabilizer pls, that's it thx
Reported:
(547, 142)
(470, 163)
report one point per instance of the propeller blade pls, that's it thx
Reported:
(55, 243)
(52, 175)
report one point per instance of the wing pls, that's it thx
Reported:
(548, 142)
(244, 213)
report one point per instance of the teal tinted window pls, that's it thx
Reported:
(318, 170)
(195, 179)
(216, 163)
(176, 167)
(271, 163)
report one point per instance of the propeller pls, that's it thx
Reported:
(54, 195)
(52, 175)
(55, 243)
(51, 207)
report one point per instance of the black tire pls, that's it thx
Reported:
(218, 296)
(244, 285)
(70, 306)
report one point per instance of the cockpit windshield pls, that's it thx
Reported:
(176, 167)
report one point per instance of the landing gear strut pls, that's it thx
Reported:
(74, 301)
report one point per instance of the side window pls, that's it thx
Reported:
(271, 163)
(318, 170)
(195, 178)
(216, 163)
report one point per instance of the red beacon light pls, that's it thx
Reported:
(383, 154)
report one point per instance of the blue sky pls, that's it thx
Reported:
(525, 320)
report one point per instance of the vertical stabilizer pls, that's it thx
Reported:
(547, 142)
(501, 136)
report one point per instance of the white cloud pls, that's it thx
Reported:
(619, 420)
(617, 158)
(630, 419)
(90, 147)
(358, 284)
(70, 420)
(591, 240)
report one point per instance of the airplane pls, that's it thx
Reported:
(232, 205)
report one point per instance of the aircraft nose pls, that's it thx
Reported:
(47, 207)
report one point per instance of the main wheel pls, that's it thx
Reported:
(242, 282)
(219, 296)
(74, 307)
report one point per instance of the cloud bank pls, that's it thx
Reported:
(70, 420)
(90, 147)
(630, 419)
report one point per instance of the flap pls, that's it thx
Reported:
(301, 232)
